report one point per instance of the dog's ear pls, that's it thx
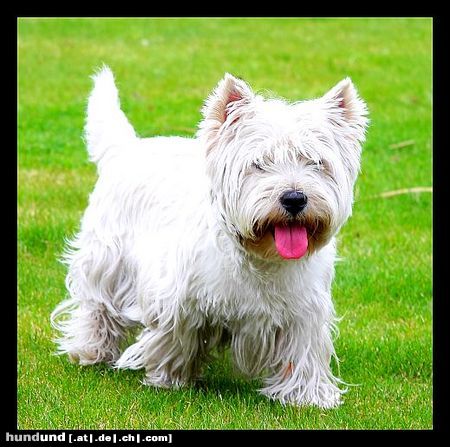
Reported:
(344, 106)
(227, 100)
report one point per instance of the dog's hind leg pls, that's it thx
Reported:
(93, 321)
(172, 355)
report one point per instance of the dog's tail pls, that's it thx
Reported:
(106, 125)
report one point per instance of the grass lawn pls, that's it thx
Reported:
(165, 68)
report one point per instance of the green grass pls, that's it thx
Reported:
(165, 68)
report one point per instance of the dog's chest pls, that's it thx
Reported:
(231, 294)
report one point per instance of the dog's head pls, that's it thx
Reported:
(282, 174)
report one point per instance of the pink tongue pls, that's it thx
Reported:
(291, 241)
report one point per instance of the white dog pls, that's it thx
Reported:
(223, 239)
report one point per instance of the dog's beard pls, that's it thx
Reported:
(262, 238)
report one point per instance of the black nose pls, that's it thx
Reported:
(293, 201)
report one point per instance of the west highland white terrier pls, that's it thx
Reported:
(225, 239)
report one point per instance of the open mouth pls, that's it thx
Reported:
(288, 238)
(291, 240)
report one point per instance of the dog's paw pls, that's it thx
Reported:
(163, 380)
(329, 402)
(325, 396)
(86, 357)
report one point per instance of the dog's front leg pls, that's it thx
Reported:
(302, 373)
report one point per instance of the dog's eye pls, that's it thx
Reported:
(316, 163)
(257, 166)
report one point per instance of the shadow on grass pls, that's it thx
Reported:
(219, 382)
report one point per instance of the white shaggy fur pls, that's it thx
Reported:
(176, 240)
